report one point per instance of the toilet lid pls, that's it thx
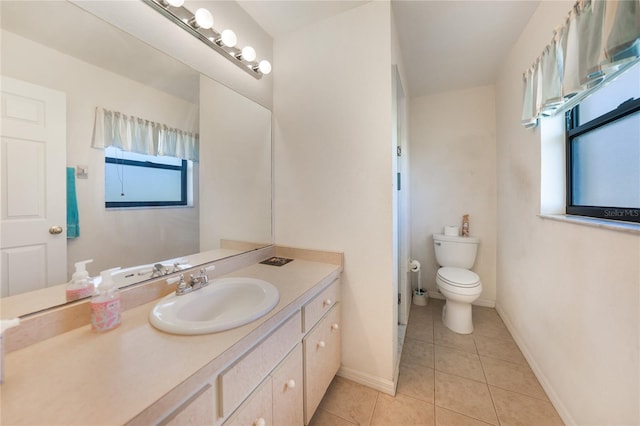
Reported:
(458, 277)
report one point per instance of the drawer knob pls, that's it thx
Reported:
(291, 384)
(335, 326)
(321, 344)
(327, 302)
(260, 422)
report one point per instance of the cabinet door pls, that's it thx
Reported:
(288, 390)
(256, 410)
(198, 410)
(321, 360)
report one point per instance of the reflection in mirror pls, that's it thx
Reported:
(56, 45)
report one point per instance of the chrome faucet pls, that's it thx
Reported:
(198, 281)
(159, 270)
(195, 281)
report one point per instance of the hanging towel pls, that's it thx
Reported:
(73, 220)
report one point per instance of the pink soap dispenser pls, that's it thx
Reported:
(81, 284)
(106, 307)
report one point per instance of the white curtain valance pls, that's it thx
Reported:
(133, 134)
(598, 40)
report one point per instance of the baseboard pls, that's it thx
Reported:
(435, 294)
(487, 303)
(546, 385)
(374, 382)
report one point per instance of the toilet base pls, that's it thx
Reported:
(457, 317)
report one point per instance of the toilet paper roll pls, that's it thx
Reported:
(414, 265)
(452, 231)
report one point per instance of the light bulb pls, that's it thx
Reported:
(204, 18)
(175, 3)
(264, 66)
(248, 53)
(228, 38)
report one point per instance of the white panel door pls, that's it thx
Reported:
(33, 181)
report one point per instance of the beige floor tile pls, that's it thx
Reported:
(460, 363)
(514, 377)
(417, 352)
(516, 409)
(465, 396)
(445, 337)
(325, 418)
(349, 400)
(420, 312)
(487, 322)
(436, 305)
(500, 348)
(420, 328)
(402, 411)
(417, 382)
(446, 417)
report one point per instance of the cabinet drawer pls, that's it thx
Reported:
(288, 389)
(321, 360)
(239, 380)
(319, 305)
(256, 411)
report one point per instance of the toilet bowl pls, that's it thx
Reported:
(457, 283)
(460, 287)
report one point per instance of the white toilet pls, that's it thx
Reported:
(459, 285)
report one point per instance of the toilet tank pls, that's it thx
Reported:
(457, 252)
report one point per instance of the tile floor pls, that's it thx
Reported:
(447, 379)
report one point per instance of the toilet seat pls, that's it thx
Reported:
(458, 277)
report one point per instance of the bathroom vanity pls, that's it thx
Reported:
(274, 370)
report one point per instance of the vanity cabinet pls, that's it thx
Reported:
(292, 391)
(278, 399)
(321, 360)
(321, 345)
(273, 371)
(239, 380)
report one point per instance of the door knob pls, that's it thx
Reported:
(54, 230)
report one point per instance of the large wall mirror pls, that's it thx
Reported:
(58, 46)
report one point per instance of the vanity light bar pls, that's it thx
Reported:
(200, 25)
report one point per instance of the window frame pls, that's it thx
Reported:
(183, 168)
(573, 129)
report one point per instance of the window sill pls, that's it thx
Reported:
(613, 225)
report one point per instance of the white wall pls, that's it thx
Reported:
(453, 172)
(111, 238)
(569, 293)
(333, 170)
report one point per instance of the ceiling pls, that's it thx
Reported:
(446, 44)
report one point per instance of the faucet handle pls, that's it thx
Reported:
(204, 278)
(182, 287)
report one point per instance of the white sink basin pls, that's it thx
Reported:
(223, 304)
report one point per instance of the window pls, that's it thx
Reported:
(136, 180)
(603, 151)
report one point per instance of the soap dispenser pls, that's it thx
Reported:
(106, 308)
(81, 285)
